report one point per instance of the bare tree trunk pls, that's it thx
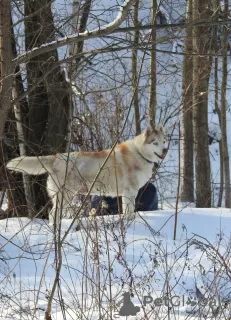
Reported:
(223, 110)
(200, 106)
(20, 109)
(79, 24)
(73, 49)
(22, 149)
(12, 182)
(49, 101)
(6, 67)
(9, 149)
(217, 109)
(152, 98)
(187, 192)
(134, 70)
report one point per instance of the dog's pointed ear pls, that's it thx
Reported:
(148, 132)
(160, 127)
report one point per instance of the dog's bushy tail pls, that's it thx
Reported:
(32, 165)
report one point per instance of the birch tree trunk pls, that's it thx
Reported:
(20, 117)
(216, 100)
(22, 149)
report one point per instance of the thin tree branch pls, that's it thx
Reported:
(99, 32)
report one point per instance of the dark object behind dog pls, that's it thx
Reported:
(146, 200)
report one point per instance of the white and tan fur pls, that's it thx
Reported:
(127, 169)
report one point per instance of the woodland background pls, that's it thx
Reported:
(79, 75)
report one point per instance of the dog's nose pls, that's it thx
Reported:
(165, 150)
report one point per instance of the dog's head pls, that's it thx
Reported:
(153, 143)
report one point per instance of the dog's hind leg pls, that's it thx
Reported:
(60, 200)
(54, 213)
(61, 205)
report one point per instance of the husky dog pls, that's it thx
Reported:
(127, 169)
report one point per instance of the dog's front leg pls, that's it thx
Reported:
(128, 200)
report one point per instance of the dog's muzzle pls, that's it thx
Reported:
(163, 155)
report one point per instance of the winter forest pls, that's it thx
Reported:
(79, 78)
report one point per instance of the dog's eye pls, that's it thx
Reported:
(155, 143)
(164, 141)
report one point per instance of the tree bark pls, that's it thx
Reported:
(223, 110)
(200, 104)
(12, 181)
(49, 101)
(216, 99)
(79, 25)
(20, 131)
(134, 71)
(218, 111)
(152, 97)
(6, 66)
(187, 192)
(22, 150)
(8, 135)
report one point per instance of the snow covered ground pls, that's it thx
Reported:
(111, 256)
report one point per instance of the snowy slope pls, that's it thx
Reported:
(122, 255)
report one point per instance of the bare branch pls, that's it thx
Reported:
(99, 32)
